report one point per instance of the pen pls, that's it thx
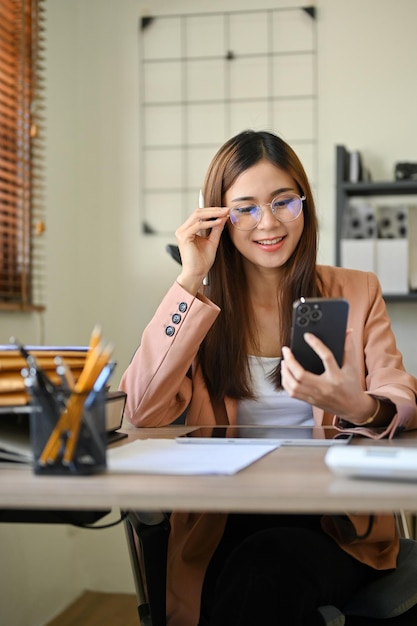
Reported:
(88, 417)
(69, 423)
(100, 383)
(201, 206)
(65, 374)
(42, 379)
(76, 402)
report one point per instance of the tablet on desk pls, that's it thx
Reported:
(277, 435)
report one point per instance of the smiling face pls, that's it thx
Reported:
(271, 243)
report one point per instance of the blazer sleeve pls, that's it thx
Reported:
(379, 358)
(156, 382)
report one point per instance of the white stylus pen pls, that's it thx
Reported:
(201, 206)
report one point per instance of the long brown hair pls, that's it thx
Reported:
(223, 353)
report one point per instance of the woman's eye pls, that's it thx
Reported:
(282, 204)
(244, 210)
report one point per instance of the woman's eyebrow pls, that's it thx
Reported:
(282, 190)
(273, 194)
(243, 198)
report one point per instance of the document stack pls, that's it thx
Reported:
(13, 391)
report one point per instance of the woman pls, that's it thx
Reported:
(221, 352)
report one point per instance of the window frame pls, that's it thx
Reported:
(21, 209)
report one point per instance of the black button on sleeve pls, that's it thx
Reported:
(182, 307)
(169, 330)
(176, 318)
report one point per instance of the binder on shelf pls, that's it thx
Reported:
(13, 391)
(412, 248)
(355, 167)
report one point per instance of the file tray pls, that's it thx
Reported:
(68, 433)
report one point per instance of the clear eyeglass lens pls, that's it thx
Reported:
(284, 209)
(287, 209)
(245, 217)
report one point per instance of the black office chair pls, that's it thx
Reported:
(389, 601)
(147, 539)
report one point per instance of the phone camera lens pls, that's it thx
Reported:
(316, 315)
(303, 309)
(302, 321)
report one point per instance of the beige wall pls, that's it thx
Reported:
(102, 269)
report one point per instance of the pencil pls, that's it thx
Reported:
(71, 418)
(75, 410)
(95, 336)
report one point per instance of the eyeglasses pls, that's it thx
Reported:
(285, 208)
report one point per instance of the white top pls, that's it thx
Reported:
(271, 406)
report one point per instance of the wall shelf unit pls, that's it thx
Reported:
(346, 190)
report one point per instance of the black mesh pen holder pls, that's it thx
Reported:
(68, 432)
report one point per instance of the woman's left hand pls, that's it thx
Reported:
(337, 390)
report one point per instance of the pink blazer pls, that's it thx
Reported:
(159, 390)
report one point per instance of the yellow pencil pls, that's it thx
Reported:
(51, 449)
(95, 336)
(75, 410)
(71, 418)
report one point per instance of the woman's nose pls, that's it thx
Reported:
(268, 220)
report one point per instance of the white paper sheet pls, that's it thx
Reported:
(166, 456)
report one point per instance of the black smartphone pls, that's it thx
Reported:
(327, 319)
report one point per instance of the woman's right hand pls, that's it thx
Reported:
(198, 239)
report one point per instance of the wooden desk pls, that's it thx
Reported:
(289, 479)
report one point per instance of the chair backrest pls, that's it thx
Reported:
(388, 597)
(174, 252)
(394, 593)
(147, 537)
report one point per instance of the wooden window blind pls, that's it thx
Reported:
(21, 130)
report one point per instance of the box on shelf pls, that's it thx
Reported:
(390, 250)
(392, 265)
(359, 220)
(392, 221)
(359, 254)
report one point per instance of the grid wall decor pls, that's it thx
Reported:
(206, 77)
